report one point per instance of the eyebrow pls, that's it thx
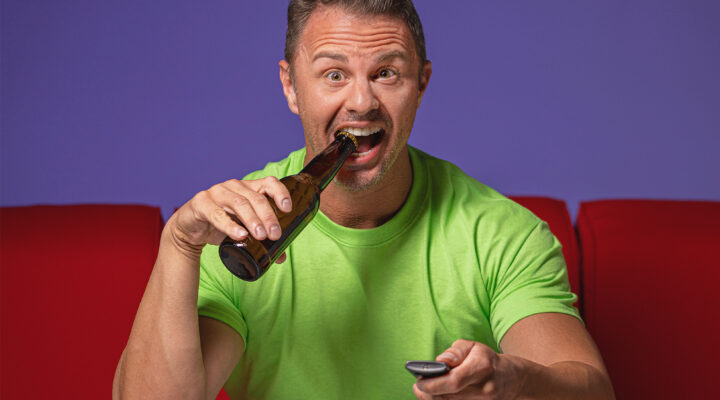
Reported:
(391, 55)
(343, 58)
(334, 56)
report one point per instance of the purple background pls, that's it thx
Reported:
(152, 101)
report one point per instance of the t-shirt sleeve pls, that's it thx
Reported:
(533, 281)
(215, 292)
(220, 293)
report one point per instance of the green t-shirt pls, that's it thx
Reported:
(349, 307)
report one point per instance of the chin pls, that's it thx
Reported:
(358, 182)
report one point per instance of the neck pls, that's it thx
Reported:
(374, 206)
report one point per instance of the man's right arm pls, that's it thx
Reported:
(171, 352)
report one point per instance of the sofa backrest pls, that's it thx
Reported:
(650, 279)
(71, 281)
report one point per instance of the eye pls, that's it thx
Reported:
(335, 76)
(386, 74)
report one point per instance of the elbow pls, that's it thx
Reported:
(601, 384)
(118, 378)
(609, 392)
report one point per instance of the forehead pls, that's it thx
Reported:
(334, 28)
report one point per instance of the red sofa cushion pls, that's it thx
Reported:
(555, 213)
(650, 275)
(72, 279)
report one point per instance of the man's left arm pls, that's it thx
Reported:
(545, 356)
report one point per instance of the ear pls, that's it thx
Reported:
(424, 80)
(288, 87)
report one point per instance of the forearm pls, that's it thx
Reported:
(163, 356)
(563, 380)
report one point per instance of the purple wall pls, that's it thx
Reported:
(152, 101)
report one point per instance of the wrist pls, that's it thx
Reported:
(174, 238)
(525, 372)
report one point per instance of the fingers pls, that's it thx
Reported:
(420, 394)
(456, 353)
(281, 259)
(473, 364)
(270, 186)
(244, 207)
(470, 392)
(478, 366)
(277, 191)
(218, 212)
(204, 208)
(263, 222)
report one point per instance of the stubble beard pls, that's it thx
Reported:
(359, 184)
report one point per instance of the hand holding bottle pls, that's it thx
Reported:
(165, 349)
(213, 214)
(249, 259)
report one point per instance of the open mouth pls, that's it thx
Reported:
(367, 139)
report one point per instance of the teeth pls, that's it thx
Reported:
(356, 154)
(361, 131)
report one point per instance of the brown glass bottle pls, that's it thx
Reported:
(249, 259)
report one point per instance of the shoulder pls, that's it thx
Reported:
(455, 195)
(290, 165)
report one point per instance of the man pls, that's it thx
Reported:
(408, 258)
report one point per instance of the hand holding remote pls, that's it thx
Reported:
(427, 369)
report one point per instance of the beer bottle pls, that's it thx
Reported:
(248, 259)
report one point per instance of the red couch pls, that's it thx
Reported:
(650, 270)
(72, 278)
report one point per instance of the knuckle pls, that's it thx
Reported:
(483, 347)
(234, 184)
(218, 214)
(273, 185)
(196, 215)
(482, 360)
(251, 222)
(255, 197)
(240, 202)
(202, 195)
(486, 352)
(460, 342)
(489, 389)
(268, 218)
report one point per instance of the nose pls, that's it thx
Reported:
(361, 98)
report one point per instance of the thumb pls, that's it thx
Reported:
(457, 353)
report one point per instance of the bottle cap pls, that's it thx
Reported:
(349, 136)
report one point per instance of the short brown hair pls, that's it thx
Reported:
(299, 11)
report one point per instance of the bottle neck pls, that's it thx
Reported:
(323, 167)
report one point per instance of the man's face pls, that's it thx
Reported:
(359, 74)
